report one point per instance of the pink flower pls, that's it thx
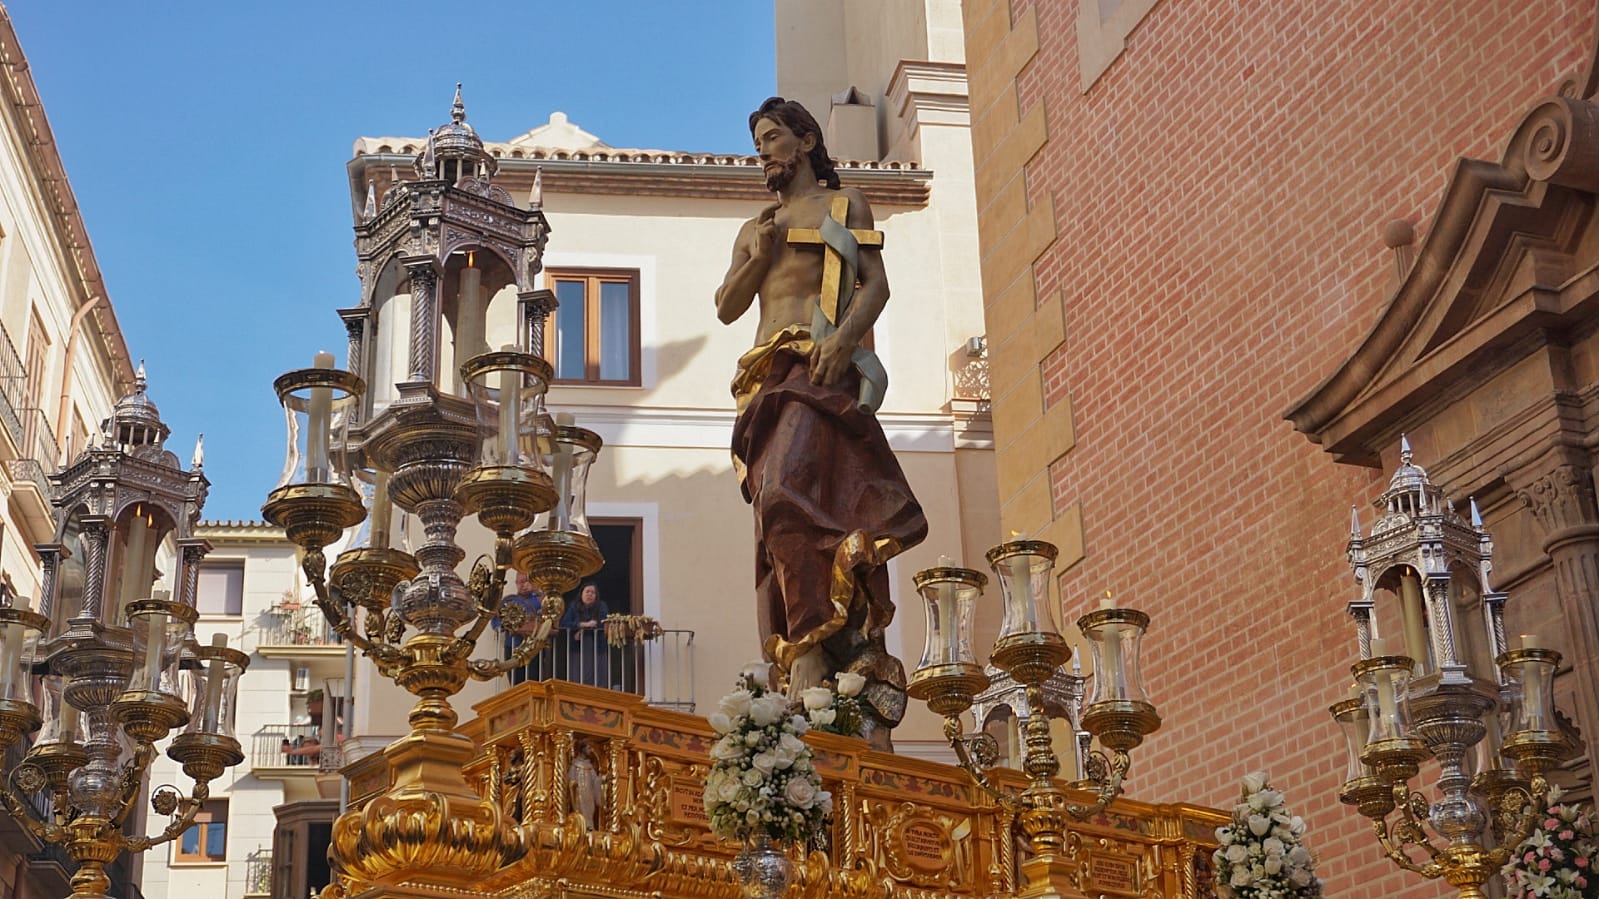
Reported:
(1544, 864)
(1581, 861)
(1551, 823)
(1582, 882)
(1566, 835)
(1529, 857)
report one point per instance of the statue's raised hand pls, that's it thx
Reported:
(764, 235)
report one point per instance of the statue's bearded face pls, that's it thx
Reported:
(781, 151)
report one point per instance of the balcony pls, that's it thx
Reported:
(651, 661)
(258, 874)
(38, 457)
(293, 631)
(13, 388)
(291, 750)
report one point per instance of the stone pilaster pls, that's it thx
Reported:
(1560, 497)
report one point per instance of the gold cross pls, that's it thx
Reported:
(833, 264)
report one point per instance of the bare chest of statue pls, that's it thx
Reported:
(792, 285)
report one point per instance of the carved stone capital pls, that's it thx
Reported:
(1561, 498)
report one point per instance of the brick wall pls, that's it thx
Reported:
(1169, 261)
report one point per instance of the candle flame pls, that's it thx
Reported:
(471, 257)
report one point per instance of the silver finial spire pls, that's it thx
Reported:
(198, 461)
(535, 197)
(139, 378)
(458, 108)
(1354, 523)
(1405, 455)
(429, 161)
(370, 211)
(1476, 514)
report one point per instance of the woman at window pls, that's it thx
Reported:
(590, 654)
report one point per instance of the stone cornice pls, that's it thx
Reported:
(605, 170)
(930, 91)
(235, 532)
(1505, 269)
(26, 110)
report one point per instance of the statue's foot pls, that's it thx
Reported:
(809, 670)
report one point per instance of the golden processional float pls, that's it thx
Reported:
(561, 789)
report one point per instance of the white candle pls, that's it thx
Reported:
(1021, 578)
(1114, 685)
(319, 421)
(382, 511)
(135, 568)
(1531, 641)
(213, 687)
(1532, 699)
(154, 643)
(1387, 706)
(69, 719)
(947, 626)
(510, 401)
(10, 660)
(561, 473)
(1414, 614)
(469, 312)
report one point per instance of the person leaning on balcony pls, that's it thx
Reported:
(590, 654)
(531, 603)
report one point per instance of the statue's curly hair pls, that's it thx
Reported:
(798, 119)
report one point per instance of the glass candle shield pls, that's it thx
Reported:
(317, 403)
(63, 723)
(951, 596)
(215, 688)
(1531, 671)
(1353, 725)
(1385, 692)
(1024, 568)
(160, 630)
(1114, 637)
(568, 452)
(508, 389)
(20, 632)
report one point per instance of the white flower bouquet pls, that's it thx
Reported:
(1261, 856)
(834, 709)
(762, 781)
(1556, 860)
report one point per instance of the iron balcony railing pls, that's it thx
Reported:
(659, 668)
(40, 455)
(13, 387)
(287, 746)
(258, 873)
(281, 626)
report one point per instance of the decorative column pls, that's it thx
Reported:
(191, 551)
(96, 534)
(424, 274)
(355, 325)
(1561, 499)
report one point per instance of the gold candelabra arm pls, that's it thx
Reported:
(488, 587)
(133, 780)
(1517, 815)
(23, 810)
(954, 732)
(384, 654)
(489, 669)
(1105, 775)
(166, 801)
(1408, 831)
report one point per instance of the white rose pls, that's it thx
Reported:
(1296, 826)
(1272, 798)
(764, 762)
(768, 709)
(816, 697)
(1254, 782)
(1273, 846)
(753, 738)
(720, 722)
(1259, 825)
(799, 793)
(727, 790)
(752, 778)
(799, 724)
(823, 717)
(1274, 865)
(792, 745)
(850, 683)
(824, 801)
(1236, 853)
(736, 704)
(757, 671)
(726, 749)
(1298, 855)
(1300, 877)
(1240, 878)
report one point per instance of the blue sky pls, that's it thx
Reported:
(206, 144)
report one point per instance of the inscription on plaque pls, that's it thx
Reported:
(688, 803)
(1114, 874)
(927, 846)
